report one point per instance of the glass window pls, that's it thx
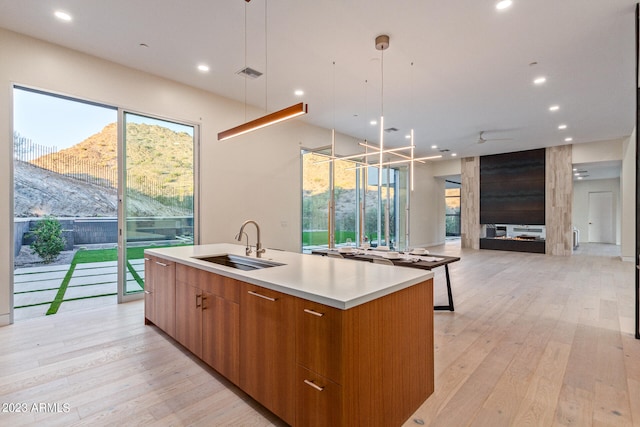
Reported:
(158, 187)
(361, 211)
(346, 203)
(315, 201)
(452, 214)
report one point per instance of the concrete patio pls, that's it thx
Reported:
(90, 285)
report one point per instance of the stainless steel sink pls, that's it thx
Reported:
(239, 262)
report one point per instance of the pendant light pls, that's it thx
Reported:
(382, 44)
(269, 119)
(332, 170)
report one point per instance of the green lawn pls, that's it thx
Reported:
(319, 238)
(102, 255)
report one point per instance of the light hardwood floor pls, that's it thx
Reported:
(535, 340)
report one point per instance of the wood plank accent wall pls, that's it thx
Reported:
(559, 199)
(512, 188)
(470, 203)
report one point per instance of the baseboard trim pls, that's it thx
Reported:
(5, 319)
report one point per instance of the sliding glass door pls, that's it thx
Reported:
(64, 203)
(367, 208)
(158, 188)
(93, 187)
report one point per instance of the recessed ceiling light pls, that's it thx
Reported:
(579, 177)
(298, 92)
(407, 136)
(373, 122)
(503, 4)
(454, 154)
(562, 127)
(554, 108)
(434, 146)
(568, 139)
(204, 68)
(539, 80)
(63, 16)
(577, 174)
(575, 169)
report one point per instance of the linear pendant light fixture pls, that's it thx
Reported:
(269, 119)
(264, 121)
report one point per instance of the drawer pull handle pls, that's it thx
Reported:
(147, 292)
(255, 294)
(312, 384)
(147, 259)
(315, 313)
(198, 303)
(161, 263)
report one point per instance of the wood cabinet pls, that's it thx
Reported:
(319, 372)
(221, 334)
(160, 293)
(208, 318)
(319, 400)
(149, 302)
(267, 346)
(308, 363)
(319, 332)
(189, 316)
(369, 365)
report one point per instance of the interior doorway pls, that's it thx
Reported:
(601, 219)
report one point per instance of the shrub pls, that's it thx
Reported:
(48, 241)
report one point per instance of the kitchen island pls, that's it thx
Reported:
(317, 341)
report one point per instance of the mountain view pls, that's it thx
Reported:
(148, 160)
(81, 180)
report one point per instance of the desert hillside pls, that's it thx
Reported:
(82, 180)
(41, 192)
(155, 154)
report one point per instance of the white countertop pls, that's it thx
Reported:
(338, 283)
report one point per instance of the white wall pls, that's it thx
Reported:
(619, 149)
(427, 208)
(599, 151)
(445, 168)
(580, 211)
(628, 199)
(254, 176)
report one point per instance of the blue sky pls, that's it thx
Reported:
(53, 121)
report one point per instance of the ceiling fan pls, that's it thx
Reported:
(482, 139)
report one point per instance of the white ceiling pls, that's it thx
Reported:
(472, 63)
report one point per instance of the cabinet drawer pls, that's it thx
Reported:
(319, 400)
(319, 344)
(224, 287)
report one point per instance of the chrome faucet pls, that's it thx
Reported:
(259, 249)
(247, 249)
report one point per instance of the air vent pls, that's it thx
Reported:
(444, 150)
(392, 129)
(249, 73)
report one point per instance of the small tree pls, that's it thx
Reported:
(48, 241)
